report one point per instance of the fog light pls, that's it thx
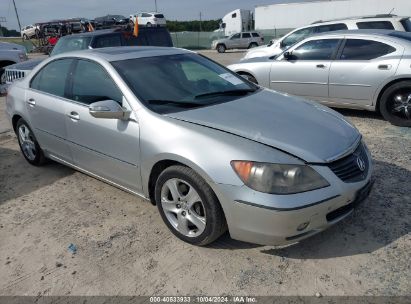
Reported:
(302, 226)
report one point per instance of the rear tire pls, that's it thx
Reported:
(221, 48)
(188, 206)
(28, 144)
(395, 104)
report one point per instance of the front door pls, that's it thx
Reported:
(106, 147)
(46, 103)
(305, 71)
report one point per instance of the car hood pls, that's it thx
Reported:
(26, 65)
(305, 129)
(11, 46)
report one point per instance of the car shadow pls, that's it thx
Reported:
(378, 222)
(360, 114)
(18, 178)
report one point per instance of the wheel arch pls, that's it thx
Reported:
(385, 87)
(14, 120)
(246, 72)
(166, 162)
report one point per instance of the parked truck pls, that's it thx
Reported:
(236, 21)
(11, 53)
(294, 15)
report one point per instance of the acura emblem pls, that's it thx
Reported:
(360, 164)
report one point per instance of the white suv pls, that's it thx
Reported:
(387, 22)
(149, 19)
(30, 31)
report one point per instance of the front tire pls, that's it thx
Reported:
(395, 104)
(28, 144)
(188, 206)
(221, 48)
(25, 37)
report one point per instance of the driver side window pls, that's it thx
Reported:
(316, 50)
(91, 83)
(236, 36)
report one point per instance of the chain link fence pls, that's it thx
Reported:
(203, 40)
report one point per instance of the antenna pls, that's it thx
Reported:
(391, 11)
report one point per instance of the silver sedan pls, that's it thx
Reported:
(210, 149)
(363, 69)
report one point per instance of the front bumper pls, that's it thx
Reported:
(284, 219)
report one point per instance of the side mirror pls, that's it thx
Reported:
(108, 109)
(288, 55)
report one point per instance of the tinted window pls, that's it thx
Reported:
(256, 35)
(330, 28)
(52, 78)
(236, 36)
(295, 37)
(70, 43)
(386, 25)
(246, 35)
(159, 15)
(108, 41)
(406, 23)
(234, 15)
(145, 15)
(91, 83)
(316, 50)
(358, 49)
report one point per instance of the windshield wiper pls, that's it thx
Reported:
(184, 104)
(229, 92)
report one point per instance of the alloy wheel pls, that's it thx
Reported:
(401, 104)
(26, 140)
(183, 207)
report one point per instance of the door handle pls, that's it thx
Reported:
(31, 102)
(384, 66)
(74, 115)
(321, 66)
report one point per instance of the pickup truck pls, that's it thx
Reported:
(91, 40)
(11, 53)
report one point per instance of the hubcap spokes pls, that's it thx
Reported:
(402, 105)
(183, 207)
(27, 142)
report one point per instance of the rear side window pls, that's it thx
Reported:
(52, 78)
(330, 28)
(246, 35)
(91, 83)
(406, 23)
(383, 25)
(256, 35)
(159, 15)
(107, 41)
(359, 49)
(316, 50)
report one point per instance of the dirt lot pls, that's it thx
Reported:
(125, 249)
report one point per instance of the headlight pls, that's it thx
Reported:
(278, 178)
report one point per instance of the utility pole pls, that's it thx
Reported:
(155, 3)
(17, 15)
(200, 23)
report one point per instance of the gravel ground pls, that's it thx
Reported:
(125, 249)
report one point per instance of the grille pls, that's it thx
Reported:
(12, 75)
(348, 168)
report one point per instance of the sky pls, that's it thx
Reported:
(32, 11)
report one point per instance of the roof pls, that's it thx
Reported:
(124, 53)
(363, 18)
(379, 33)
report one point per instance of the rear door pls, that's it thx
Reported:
(245, 40)
(305, 73)
(46, 103)
(361, 67)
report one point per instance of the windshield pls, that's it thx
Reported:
(176, 82)
(68, 44)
